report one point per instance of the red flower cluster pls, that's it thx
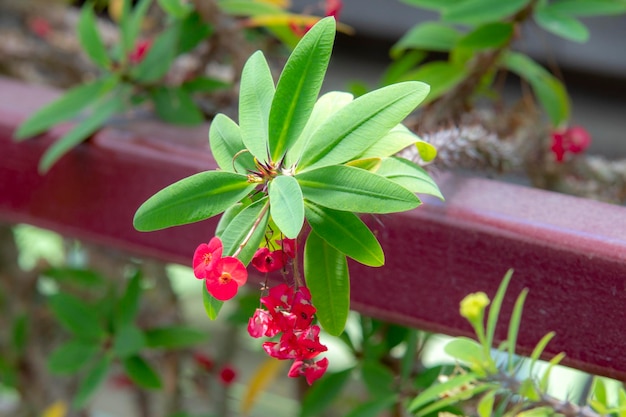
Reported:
(574, 140)
(222, 275)
(265, 260)
(291, 313)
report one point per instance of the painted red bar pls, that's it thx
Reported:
(570, 252)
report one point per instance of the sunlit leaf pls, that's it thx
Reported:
(409, 175)
(298, 87)
(352, 189)
(286, 205)
(465, 350)
(359, 124)
(176, 8)
(192, 199)
(255, 101)
(326, 271)
(345, 232)
(485, 405)
(545, 378)
(538, 350)
(398, 138)
(227, 146)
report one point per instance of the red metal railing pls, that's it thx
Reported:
(570, 252)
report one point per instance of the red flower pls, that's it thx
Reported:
(203, 361)
(139, 52)
(266, 261)
(262, 324)
(574, 140)
(206, 256)
(289, 247)
(225, 278)
(333, 8)
(227, 375)
(312, 371)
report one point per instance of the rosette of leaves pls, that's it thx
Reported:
(294, 158)
(124, 82)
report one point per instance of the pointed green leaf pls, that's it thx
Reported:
(141, 373)
(212, 306)
(128, 306)
(326, 106)
(227, 146)
(99, 115)
(319, 397)
(194, 30)
(353, 189)
(545, 378)
(440, 76)
(240, 229)
(490, 35)
(130, 23)
(538, 350)
(476, 12)
(70, 357)
(91, 382)
(485, 405)
(359, 124)
(255, 101)
(409, 175)
(434, 392)
(430, 36)
(298, 87)
(516, 318)
(394, 141)
(286, 205)
(174, 337)
(89, 38)
(65, 107)
(191, 199)
(128, 341)
(76, 316)
(327, 277)
(464, 350)
(175, 105)
(494, 309)
(562, 25)
(159, 57)
(345, 232)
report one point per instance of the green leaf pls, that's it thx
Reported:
(599, 391)
(176, 8)
(431, 4)
(545, 378)
(70, 357)
(141, 373)
(128, 341)
(430, 36)
(378, 379)
(286, 205)
(238, 230)
(65, 107)
(298, 87)
(324, 108)
(490, 35)
(401, 64)
(549, 91)
(19, 334)
(587, 7)
(345, 232)
(464, 350)
(91, 382)
(99, 115)
(193, 30)
(212, 305)
(409, 175)
(159, 57)
(89, 38)
(410, 354)
(227, 146)
(130, 23)
(494, 309)
(358, 125)
(516, 318)
(202, 84)
(394, 141)
(255, 101)
(76, 316)
(248, 8)
(191, 199)
(127, 307)
(538, 350)
(175, 105)
(485, 405)
(434, 392)
(427, 151)
(174, 337)
(562, 25)
(353, 189)
(440, 76)
(327, 277)
(85, 278)
(476, 12)
(373, 407)
(322, 394)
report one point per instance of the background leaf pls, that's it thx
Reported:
(587, 7)
(130, 23)
(561, 25)
(490, 35)
(175, 105)
(77, 316)
(174, 337)
(226, 142)
(409, 175)
(91, 382)
(298, 87)
(345, 232)
(440, 76)
(191, 199)
(141, 373)
(127, 307)
(286, 205)
(323, 393)
(327, 277)
(212, 306)
(71, 356)
(159, 57)
(430, 36)
(175, 8)
(89, 38)
(476, 12)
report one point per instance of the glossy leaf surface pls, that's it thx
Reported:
(248, 224)
(286, 206)
(227, 146)
(409, 175)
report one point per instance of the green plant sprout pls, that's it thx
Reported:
(296, 159)
(488, 381)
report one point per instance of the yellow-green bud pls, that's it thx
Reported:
(472, 305)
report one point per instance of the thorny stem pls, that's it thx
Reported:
(252, 229)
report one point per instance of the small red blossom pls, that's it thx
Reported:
(289, 247)
(265, 260)
(203, 361)
(312, 371)
(225, 278)
(573, 140)
(262, 324)
(206, 256)
(227, 375)
(40, 26)
(333, 8)
(139, 52)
